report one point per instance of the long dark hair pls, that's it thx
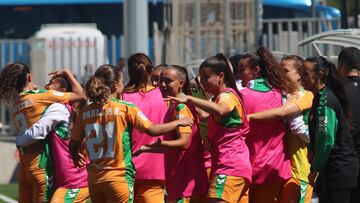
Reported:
(140, 67)
(220, 63)
(270, 69)
(100, 86)
(331, 79)
(183, 74)
(13, 79)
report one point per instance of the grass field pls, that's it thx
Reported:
(10, 190)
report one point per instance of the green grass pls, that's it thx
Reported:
(10, 190)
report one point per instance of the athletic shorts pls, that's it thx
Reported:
(111, 191)
(64, 195)
(149, 191)
(296, 191)
(35, 184)
(229, 188)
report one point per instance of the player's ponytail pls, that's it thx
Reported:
(101, 85)
(139, 67)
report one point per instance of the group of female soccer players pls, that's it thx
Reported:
(266, 138)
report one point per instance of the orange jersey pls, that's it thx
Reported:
(107, 128)
(35, 171)
(32, 104)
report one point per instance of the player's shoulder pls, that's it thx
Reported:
(117, 101)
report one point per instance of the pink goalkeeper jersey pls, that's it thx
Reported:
(149, 166)
(184, 169)
(66, 174)
(266, 139)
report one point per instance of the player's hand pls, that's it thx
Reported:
(79, 160)
(186, 121)
(59, 73)
(142, 149)
(181, 99)
(157, 143)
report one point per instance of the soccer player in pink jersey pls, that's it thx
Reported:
(149, 179)
(186, 179)
(265, 79)
(227, 129)
(295, 113)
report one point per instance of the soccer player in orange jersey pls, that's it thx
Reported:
(27, 103)
(107, 124)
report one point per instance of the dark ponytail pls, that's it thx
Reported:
(220, 63)
(140, 67)
(270, 69)
(274, 72)
(331, 79)
(13, 79)
(100, 86)
(183, 73)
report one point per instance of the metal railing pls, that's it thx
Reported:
(284, 34)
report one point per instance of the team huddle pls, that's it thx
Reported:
(246, 129)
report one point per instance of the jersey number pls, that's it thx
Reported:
(20, 122)
(96, 133)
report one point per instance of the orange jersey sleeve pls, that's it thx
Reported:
(32, 104)
(303, 100)
(232, 102)
(137, 118)
(183, 111)
(53, 96)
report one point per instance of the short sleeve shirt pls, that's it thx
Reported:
(107, 129)
(32, 104)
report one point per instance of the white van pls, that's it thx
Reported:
(72, 46)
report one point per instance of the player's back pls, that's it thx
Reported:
(107, 128)
(32, 104)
